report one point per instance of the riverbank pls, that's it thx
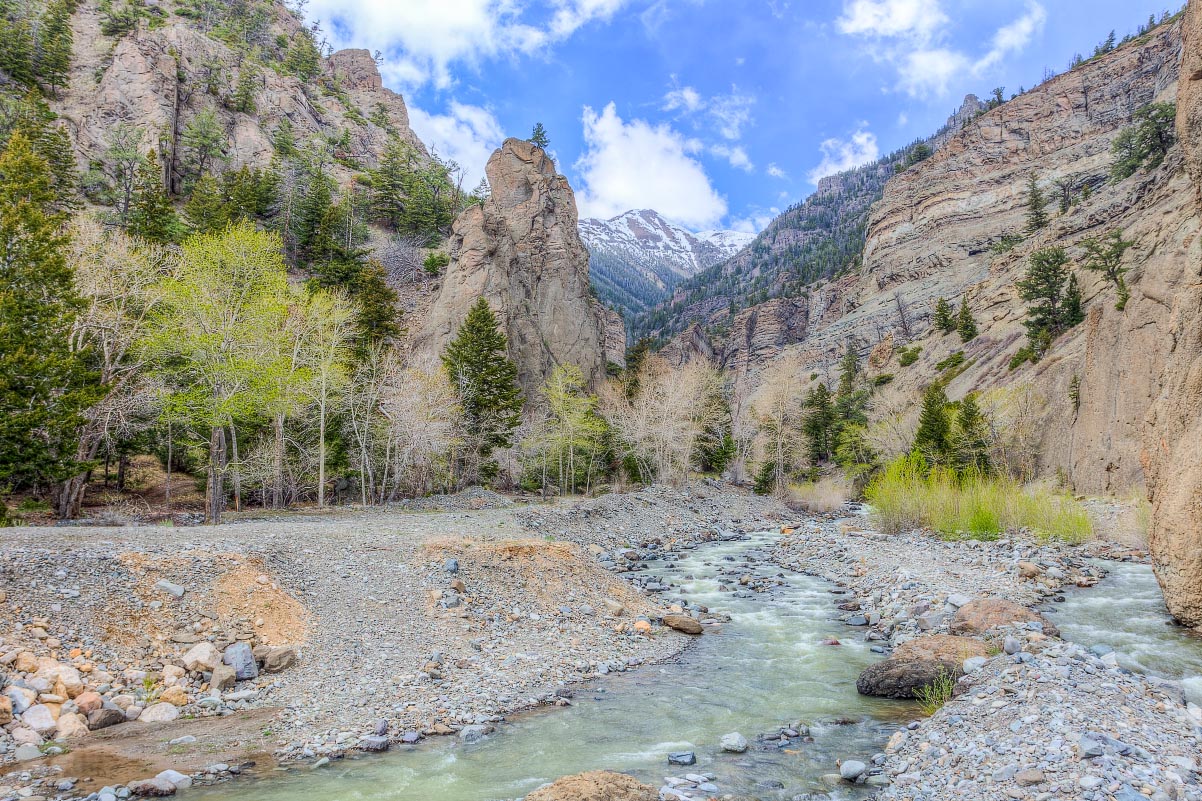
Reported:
(1033, 717)
(366, 628)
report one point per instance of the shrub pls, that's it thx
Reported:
(882, 380)
(907, 356)
(908, 495)
(933, 696)
(955, 360)
(1007, 243)
(825, 495)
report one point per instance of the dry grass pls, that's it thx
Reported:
(828, 494)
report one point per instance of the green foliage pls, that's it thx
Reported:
(907, 356)
(1044, 288)
(1037, 216)
(931, 697)
(908, 495)
(569, 449)
(303, 58)
(851, 397)
(916, 154)
(152, 217)
(55, 41)
(820, 424)
(970, 440)
(436, 261)
(943, 320)
(1106, 256)
(1074, 313)
(33, 118)
(855, 454)
(243, 99)
(412, 195)
(45, 386)
(204, 143)
(377, 319)
(951, 362)
(206, 210)
(16, 32)
(766, 478)
(882, 379)
(284, 139)
(119, 17)
(933, 437)
(484, 379)
(539, 136)
(1006, 243)
(966, 326)
(1145, 143)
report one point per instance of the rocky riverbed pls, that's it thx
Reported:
(359, 629)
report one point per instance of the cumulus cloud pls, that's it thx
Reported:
(467, 134)
(776, 172)
(844, 154)
(736, 155)
(635, 165)
(420, 40)
(911, 35)
(755, 221)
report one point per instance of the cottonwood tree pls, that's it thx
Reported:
(779, 414)
(658, 428)
(329, 330)
(212, 338)
(121, 282)
(425, 425)
(568, 444)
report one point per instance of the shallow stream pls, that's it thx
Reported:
(765, 669)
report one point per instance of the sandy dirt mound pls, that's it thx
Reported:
(597, 785)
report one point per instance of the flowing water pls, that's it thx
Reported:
(1126, 612)
(765, 669)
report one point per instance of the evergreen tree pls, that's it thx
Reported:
(44, 386)
(932, 439)
(539, 136)
(850, 398)
(965, 324)
(52, 142)
(313, 220)
(1037, 217)
(16, 33)
(1106, 256)
(152, 216)
(244, 94)
(206, 210)
(1073, 311)
(970, 440)
(284, 139)
(204, 141)
(55, 41)
(944, 321)
(1043, 287)
(485, 380)
(819, 425)
(377, 319)
(1145, 143)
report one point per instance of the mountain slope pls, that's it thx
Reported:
(637, 257)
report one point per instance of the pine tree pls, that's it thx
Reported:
(944, 321)
(932, 439)
(1043, 287)
(52, 142)
(850, 398)
(44, 386)
(820, 424)
(1073, 311)
(485, 380)
(965, 324)
(152, 216)
(1106, 257)
(206, 210)
(377, 319)
(1037, 217)
(204, 141)
(970, 440)
(244, 94)
(539, 136)
(314, 237)
(55, 41)
(16, 56)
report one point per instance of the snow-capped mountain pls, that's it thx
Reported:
(637, 257)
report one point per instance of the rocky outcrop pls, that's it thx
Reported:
(614, 336)
(691, 344)
(1173, 437)
(597, 785)
(157, 79)
(521, 250)
(918, 664)
(985, 614)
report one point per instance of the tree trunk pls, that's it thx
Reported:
(277, 490)
(170, 456)
(237, 473)
(122, 464)
(215, 488)
(321, 451)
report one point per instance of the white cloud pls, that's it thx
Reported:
(635, 165)
(727, 114)
(882, 18)
(467, 135)
(776, 172)
(911, 34)
(420, 39)
(755, 221)
(839, 154)
(736, 155)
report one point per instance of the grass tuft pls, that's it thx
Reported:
(934, 695)
(907, 496)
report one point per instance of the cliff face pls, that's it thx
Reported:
(520, 249)
(158, 78)
(1173, 435)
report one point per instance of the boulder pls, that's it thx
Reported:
(21, 698)
(374, 743)
(279, 659)
(241, 658)
(916, 664)
(6, 710)
(851, 769)
(734, 742)
(174, 695)
(683, 623)
(39, 718)
(71, 725)
(201, 657)
(104, 717)
(89, 702)
(159, 713)
(151, 788)
(224, 678)
(182, 781)
(26, 752)
(979, 616)
(597, 785)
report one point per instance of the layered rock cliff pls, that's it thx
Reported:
(521, 250)
(1173, 431)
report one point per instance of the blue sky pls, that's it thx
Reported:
(717, 113)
